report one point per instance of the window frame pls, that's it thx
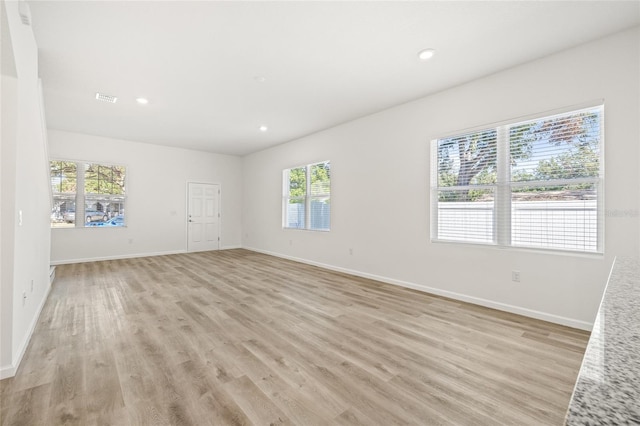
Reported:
(502, 208)
(306, 199)
(81, 197)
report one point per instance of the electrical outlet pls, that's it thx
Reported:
(351, 251)
(515, 276)
(31, 286)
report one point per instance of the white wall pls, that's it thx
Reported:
(7, 223)
(157, 179)
(8, 121)
(25, 188)
(380, 187)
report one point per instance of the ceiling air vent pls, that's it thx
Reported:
(106, 98)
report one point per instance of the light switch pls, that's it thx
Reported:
(19, 217)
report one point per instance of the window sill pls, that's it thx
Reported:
(516, 249)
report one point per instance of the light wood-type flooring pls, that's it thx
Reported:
(236, 337)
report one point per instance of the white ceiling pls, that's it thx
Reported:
(324, 63)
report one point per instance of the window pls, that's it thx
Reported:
(87, 194)
(533, 184)
(64, 187)
(307, 197)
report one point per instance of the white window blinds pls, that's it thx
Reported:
(530, 184)
(466, 186)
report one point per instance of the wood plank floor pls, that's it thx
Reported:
(236, 337)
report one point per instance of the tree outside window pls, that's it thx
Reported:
(531, 184)
(93, 198)
(307, 197)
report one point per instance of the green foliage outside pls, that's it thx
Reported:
(297, 184)
(320, 182)
(470, 160)
(99, 179)
(320, 179)
(63, 177)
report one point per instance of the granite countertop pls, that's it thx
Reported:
(607, 391)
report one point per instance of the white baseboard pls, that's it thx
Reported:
(569, 322)
(7, 371)
(128, 256)
(10, 370)
(125, 256)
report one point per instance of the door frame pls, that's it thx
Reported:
(186, 215)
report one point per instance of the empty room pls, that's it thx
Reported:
(320, 212)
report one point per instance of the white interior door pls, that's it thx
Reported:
(203, 216)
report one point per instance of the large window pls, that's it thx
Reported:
(307, 197)
(87, 194)
(534, 183)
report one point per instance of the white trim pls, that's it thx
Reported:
(233, 247)
(555, 252)
(525, 118)
(569, 322)
(10, 370)
(102, 163)
(132, 256)
(600, 184)
(502, 200)
(433, 190)
(7, 371)
(45, 139)
(125, 256)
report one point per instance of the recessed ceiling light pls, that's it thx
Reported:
(263, 128)
(106, 98)
(426, 54)
(142, 101)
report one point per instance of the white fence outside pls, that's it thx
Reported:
(566, 225)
